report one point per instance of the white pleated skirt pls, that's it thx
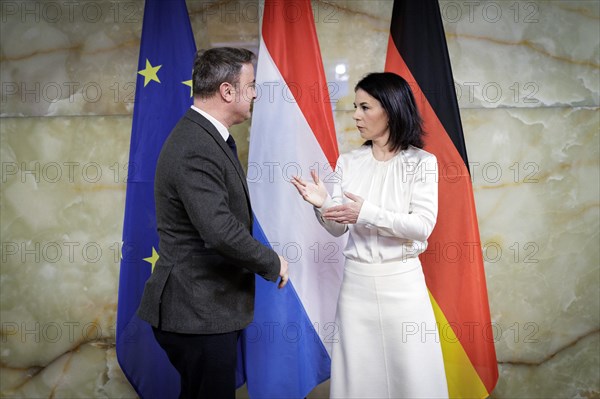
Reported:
(388, 344)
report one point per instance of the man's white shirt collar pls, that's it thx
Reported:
(220, 127)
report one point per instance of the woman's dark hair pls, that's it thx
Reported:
(218, 65)
(396, 97)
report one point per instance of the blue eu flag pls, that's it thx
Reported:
(163, 94)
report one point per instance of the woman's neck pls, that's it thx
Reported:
(382, 152)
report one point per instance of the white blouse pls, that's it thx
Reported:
(400, 207)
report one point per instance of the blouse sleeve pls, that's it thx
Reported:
(418, 223)
(334, 228)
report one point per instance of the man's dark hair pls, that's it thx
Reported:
(396, 97)
(216, 66)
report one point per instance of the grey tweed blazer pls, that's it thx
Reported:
(203, 282)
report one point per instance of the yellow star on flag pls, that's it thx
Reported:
(152, 260)
(189, 83)
(150, 73)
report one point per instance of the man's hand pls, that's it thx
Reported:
(347, 213)
(283, 273)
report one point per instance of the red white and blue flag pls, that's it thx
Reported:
(286, 350)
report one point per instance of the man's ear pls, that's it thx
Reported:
(226, 91)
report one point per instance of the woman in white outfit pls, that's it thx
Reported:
(386, 198)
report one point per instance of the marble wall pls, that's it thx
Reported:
(527, 79)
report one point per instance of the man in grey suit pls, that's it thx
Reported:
(201, 293)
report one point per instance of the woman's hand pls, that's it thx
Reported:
(346, 213)
(313, 193)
